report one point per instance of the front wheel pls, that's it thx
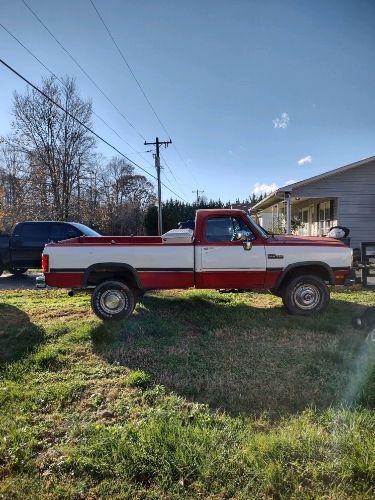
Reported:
(113, 300)
(306, 295)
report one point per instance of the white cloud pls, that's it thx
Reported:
(282, 121)
(264, 188)
(303, 161)
(292, 181)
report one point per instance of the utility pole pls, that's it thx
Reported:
(197, 192)
(158, 143)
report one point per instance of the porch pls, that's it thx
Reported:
(302, 216)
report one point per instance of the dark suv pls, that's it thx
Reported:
(22, 250)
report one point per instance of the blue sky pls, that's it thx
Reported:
(245, 88)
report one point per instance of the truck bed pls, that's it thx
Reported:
(159, 264)
(110, 240)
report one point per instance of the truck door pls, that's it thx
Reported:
(27, 243)
(223, 262)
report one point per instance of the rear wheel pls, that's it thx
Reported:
(306, 295)
(18, 271)
(113, 300)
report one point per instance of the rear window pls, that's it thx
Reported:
(61, 232)
(87, 231)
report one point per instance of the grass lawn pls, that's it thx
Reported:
(198, 395)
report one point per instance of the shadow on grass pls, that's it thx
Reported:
(239, 353)
(18, 335)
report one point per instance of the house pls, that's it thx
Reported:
(344, 196)
(267, 218)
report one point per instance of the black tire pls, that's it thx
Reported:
(18, 272)
(113, 300)
(139, 294)
(306, 295)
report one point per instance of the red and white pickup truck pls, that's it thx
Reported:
(227, 250)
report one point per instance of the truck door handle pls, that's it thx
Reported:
(208, 248)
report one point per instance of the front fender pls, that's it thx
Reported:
(291, 267)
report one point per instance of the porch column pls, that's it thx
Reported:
(288, 202)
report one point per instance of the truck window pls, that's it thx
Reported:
(224, 228)
(32, 234)
(61, 232)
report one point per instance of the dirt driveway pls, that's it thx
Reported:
(25, 282)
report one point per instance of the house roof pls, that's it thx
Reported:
(278, 195)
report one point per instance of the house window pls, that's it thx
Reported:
(303, 216)
(325, 216)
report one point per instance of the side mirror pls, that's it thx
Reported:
(244, 236)
(241, 236)
(247, 245)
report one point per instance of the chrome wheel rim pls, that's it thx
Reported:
(113, 301)
(307, 296)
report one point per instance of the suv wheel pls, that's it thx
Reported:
(113, 300)
(18, 271)
(306, 295)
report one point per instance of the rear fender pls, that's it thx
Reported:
(103, 266)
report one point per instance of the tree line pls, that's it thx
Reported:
(50, 170)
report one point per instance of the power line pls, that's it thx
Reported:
(14, 71)
(171, 172)
(129, 68)
(98, 116)
(63, 83)
(140, 86)
(81, 68)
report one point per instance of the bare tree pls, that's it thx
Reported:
(13, 192)
(126, 197)
(57, 147)
(49, 168)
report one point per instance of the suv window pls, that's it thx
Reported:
(61, 232)
(224, 228)
(32, 234)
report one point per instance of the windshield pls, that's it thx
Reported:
(259, 228)
(87, 231)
